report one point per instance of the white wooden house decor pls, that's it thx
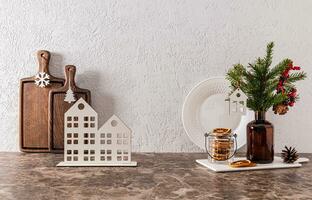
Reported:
(86, 145)
(237, 102)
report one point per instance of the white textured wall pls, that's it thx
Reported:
(141, 57)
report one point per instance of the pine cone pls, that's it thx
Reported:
(280, 109)
(289, 155)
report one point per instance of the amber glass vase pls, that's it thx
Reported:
(260, 139)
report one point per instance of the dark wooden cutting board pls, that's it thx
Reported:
(58, 106)
(34, 108)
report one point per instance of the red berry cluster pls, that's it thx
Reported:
(292, 94)
(292, 97)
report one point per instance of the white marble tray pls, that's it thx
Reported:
(224, 167)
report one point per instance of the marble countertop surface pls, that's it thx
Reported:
(158, 176)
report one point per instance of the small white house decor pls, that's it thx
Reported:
(86, 145)
(237, 102)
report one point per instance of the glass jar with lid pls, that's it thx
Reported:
(220, 144)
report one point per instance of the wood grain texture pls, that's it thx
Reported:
(34, 108)
(58, 107)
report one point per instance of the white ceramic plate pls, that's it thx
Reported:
(205, 108)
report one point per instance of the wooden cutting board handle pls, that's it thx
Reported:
(70, 72)
(43, 59)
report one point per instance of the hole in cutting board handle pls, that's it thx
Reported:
(44, 54)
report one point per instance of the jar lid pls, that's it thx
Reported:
(221, 132)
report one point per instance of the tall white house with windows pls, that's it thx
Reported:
(86, 145)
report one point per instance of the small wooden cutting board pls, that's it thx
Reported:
(34, 99)
(60, 100)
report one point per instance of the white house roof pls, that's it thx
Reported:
(84, 108)
(114, 123)
(240, 92)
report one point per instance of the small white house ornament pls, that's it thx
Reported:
(86, 145)
(237, 102)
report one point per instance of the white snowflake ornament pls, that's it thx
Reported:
(42, 79)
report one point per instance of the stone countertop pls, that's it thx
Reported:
(158, 176)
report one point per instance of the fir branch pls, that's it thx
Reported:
(272, 84)
(269, 55)
(235, 76)
(289, 86)
(297, 76)
(273, 99)
(259, 82)
(279, 68)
